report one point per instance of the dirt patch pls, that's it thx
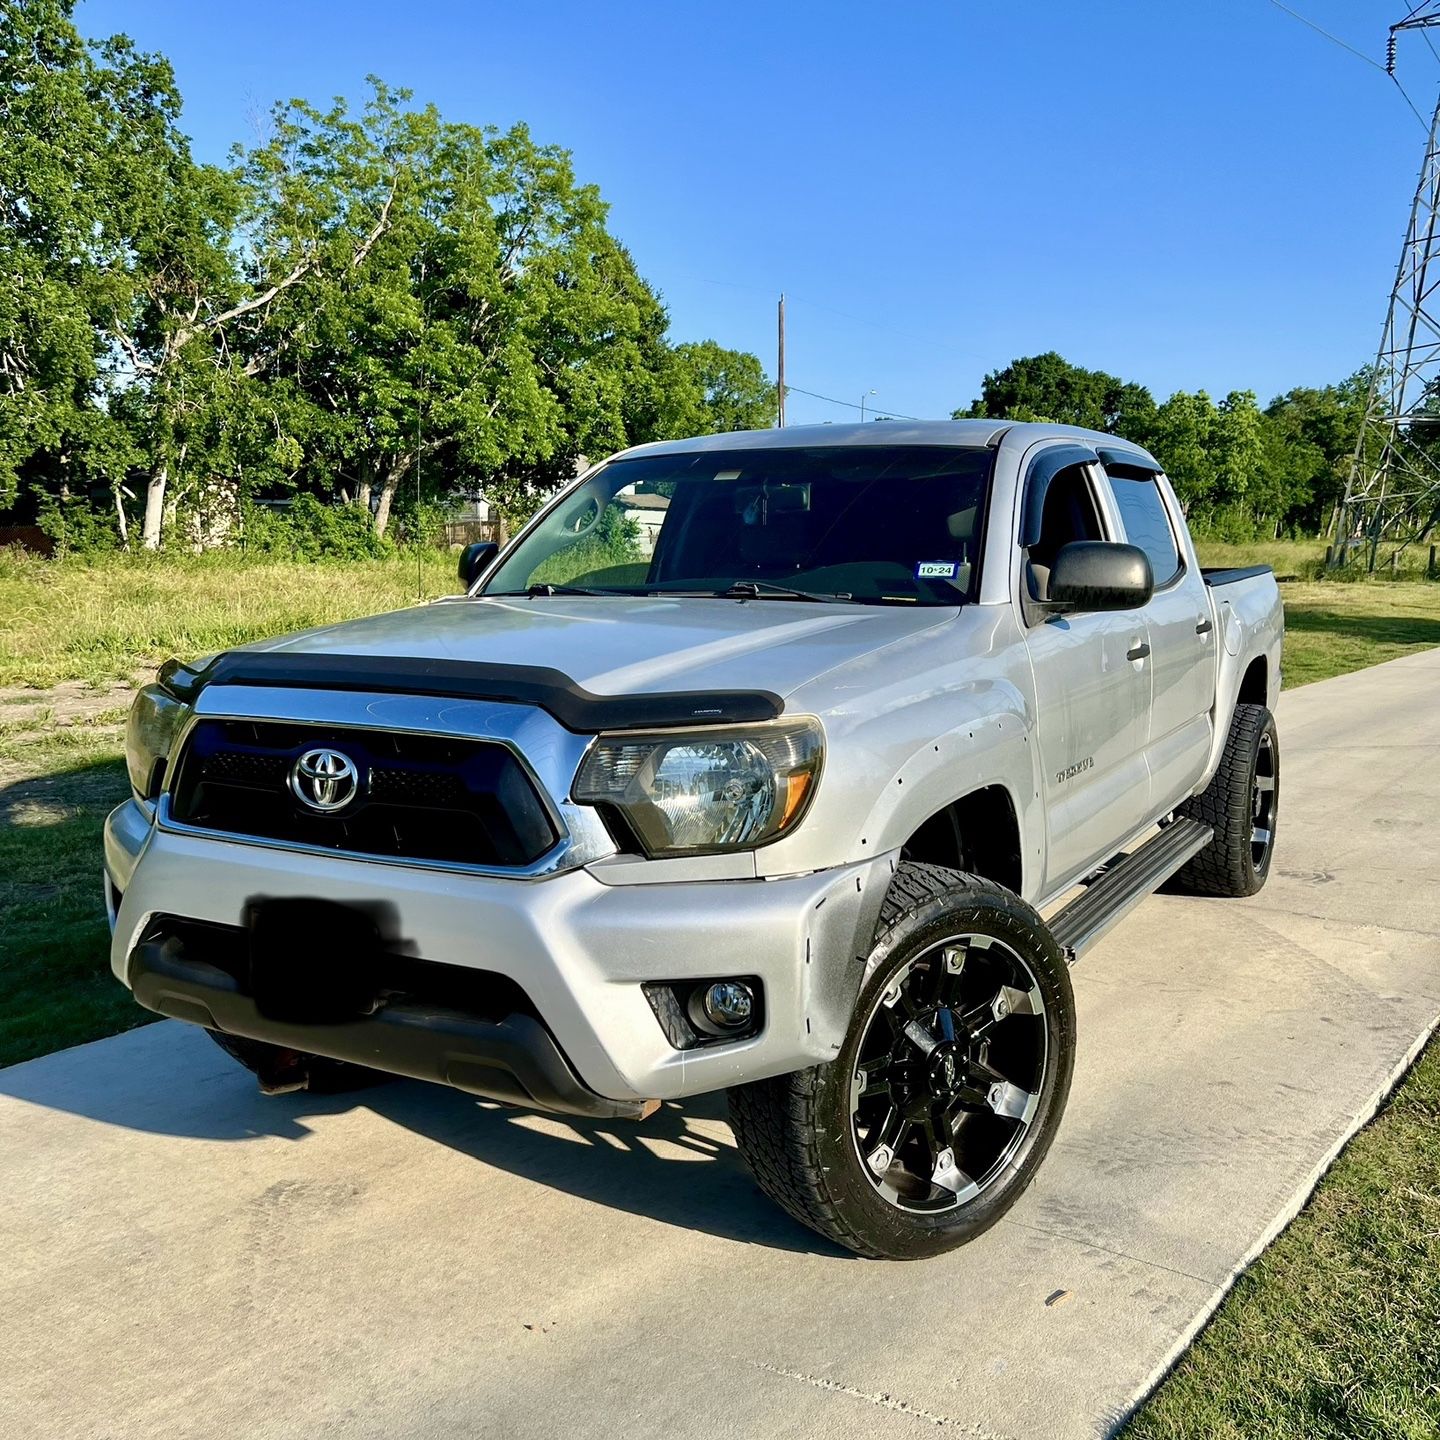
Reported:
(69, 703)
(46, 734)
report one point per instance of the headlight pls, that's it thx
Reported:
(155, 720)
(729, 788)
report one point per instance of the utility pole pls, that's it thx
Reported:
(1392, 497)
(780, 370)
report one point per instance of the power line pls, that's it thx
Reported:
(849, 404)
(1358, 54)
(1334, 39)
(1413, 107)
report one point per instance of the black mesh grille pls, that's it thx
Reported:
(420, 797)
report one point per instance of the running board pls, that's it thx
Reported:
(1119, 889)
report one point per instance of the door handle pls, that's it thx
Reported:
(1204, 627)
(1139, 652)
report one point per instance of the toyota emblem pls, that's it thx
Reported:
(324, 780)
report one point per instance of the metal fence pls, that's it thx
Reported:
(466, 532)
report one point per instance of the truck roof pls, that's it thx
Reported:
(974, 434)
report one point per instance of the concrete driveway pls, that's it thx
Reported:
(184, 1258)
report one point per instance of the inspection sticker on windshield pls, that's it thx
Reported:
(935, 570)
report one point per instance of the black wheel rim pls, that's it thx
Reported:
(949, 1072)
(1264, 797)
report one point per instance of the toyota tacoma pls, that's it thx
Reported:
(801, 764)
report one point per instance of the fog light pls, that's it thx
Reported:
(728, 1005)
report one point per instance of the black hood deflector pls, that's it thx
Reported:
(550, 690)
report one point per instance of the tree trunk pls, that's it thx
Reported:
(120, 516)
(382, 508)
(151, 526)
(393, 476)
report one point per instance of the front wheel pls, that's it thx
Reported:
(948, 1088)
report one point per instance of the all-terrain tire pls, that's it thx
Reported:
(279, 1070)
(795, 1131)
(1234, 863)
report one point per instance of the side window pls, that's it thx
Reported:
(1069, 514)
(595, 543)
(1147, 524)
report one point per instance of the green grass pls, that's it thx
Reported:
(1305, 560)
(1331, 629)
(106, 620)
(61, 766)
(55, 983)
(1335, 1329)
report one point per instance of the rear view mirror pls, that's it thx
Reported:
(758, 503)
(475, 560)
(1100, 575)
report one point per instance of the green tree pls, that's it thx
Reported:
(1237, 448)
(1311, 440)
(1048, 387)
(1181, 441)
(1216, 458)
(168, 263)
(494, 335)
(715, 390)
(57, 108)
(365, 301)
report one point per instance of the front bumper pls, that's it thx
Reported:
(578, 947)
(512, 1058)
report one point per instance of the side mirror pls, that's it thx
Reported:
(475, 560)
(1100, 575)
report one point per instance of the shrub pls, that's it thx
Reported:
(78, 528)
(308, 530)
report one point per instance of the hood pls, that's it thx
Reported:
(629, 645)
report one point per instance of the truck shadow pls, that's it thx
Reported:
(679, 1167)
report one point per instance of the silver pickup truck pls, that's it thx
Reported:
(752, 764)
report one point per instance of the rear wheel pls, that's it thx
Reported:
(1241, 804)
(948, 1089)
(280, 1070)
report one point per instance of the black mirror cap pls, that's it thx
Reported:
(1101, 575)
(475, 560)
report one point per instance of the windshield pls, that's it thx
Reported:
(865, 523)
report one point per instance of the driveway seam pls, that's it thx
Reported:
(1105, 1249)
(882, 1398)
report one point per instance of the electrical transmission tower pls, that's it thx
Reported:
(1392, 498)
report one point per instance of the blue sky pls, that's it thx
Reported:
(1188, 195)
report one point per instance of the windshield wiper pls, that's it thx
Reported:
(764, 590)
(544, 589)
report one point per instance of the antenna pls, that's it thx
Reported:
(780, 369)
(419, 414)
(1392, 496)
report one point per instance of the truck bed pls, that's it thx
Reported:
(1221, 575)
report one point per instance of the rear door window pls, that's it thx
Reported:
(1147, 524)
